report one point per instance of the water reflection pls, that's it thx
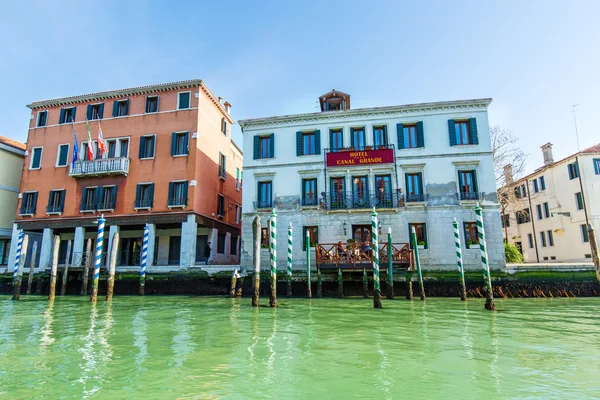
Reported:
(271, 349)
(140, 341)
(90, 360)
(255, 338)
(495, 338)
(182, 344)
(6, 327)
(46, 339)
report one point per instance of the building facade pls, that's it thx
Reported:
(12, 154)
(168, 161)
(544, 213)
(419, 165)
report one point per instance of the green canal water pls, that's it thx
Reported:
(199, 347)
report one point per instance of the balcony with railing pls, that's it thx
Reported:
(100, 167)
(54, 209)
(416, 198)
(143, 204)
(177, 202)
(470, 196)
(359, 255)
(349, 201)
(309, 201)
(27, 210)
(106, 205)
(263, 205)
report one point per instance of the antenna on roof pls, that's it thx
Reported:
(575, 106)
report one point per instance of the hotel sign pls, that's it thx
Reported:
(357, 158)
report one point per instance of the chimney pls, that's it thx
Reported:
(547, 151)
(220, 99)
(508, 173)
(227, 107)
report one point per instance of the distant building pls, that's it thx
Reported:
(419, 165)
(545, 211)
(12, 154)
(169, 163)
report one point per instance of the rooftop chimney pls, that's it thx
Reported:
(508, 173)
(227, 107)
(547, 151)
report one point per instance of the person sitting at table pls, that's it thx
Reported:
(366, 248)
(341, 250)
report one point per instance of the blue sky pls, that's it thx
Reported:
(535, 58)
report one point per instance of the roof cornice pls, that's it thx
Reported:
(408, 108)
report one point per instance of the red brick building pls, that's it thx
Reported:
(169, 163)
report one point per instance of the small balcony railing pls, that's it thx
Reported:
(143, 203)
(462, 196)
(416, 198)
(310, 201)
(359, 148)
(263, 204)
(346, 201)
(100, 167)
(106, 205)
(54, 209)
(27, 210)
(178, 202)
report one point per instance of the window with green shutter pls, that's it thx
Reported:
(62, 157)
(183, 100)
(264, 146)
(179, 143)
(36, 158)
(120, 108)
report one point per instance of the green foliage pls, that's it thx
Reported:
(512, 253)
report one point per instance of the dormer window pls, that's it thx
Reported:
(334, 104)
(335, 101)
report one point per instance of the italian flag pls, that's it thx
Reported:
(90, 150)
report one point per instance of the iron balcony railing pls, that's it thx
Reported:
(346, 201)
(222, 173)
(54, 209)
(106, 205)
(178, 202)
(100, 167)
(470, 195)
(143, 203)
(27, 210)
(416, 198)
(310, 201)
(263, 204)
(359, 148)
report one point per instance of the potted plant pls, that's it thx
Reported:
(472, 245)
(421, 244)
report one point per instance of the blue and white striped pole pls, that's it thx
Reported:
(18, 255)
(98, 258)
(144, 260)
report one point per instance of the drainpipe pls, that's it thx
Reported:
(537, 254)
(587, 222)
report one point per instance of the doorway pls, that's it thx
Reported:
(201, 241)
(361, 233)
(131, 251)
(174, 250)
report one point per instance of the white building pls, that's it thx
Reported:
(418, 164)
(546, 211)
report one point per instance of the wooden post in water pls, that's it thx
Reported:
(459, 261)
(340, 284)
(234, 277)
(489, 300)
(98, 259)
(18, 276)
(54, 269)
(256, 232)
(144, 265)
(390, 267)
(409, 288)
(418, 262)
(63, 287)
(112, 262)
(32, 266)
(365, 284)
(290, 261)
(273, 298)
(375, 251)
(239, 286)
(594, 246)
(308, 280)
(86, 267)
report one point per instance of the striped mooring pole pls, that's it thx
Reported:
(308, 281)
(489, 301)
(19, 262)
(98, 259)
(289, 260)
(144, 261)
(390, 271)
(18, 255)
(376, 283)
(418, 262)
(459, 262)
(273, 298)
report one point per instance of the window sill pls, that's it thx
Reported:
(60, 166)
(181, 206)
(183, 109)
(147, 158)
(34, 169)
(222, 178)
(106, 210)
(265, 158)
(465, 145)
(26, 215)
(411, 148)
(87, 211)
(308, 155)
(142, 208)
(54, 213)
(151, 112)
(415, 203)
(180, 155)
(220, 216)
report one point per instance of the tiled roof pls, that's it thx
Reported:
(12, 143)
(593, 149)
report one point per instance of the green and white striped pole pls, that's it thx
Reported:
(390, 271)
(308, 282)
(459, 262)
(289, 261)
(418, 262)
(489, 301)
(273, 299)
(376, 283)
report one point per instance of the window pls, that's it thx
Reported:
(264, 146)
(28, 203)
(579, 200)
(85, 153)
(535, 186)
(62, 157)
(584, 233)
(264, 238)
(462, 132)
(147, 146)
(597, 166)
(471, 233)
(313, 232)
(550, 238)
(530, 240)
(222, 166)
(56, 201)
(88, 199)
(237, 214)
(380, 136)
(112, 148)
(183, 100)
(421, 231)
(546, 210)
(124, 148)
(144, 196)
(410, 137)
(542, 183)
(151, 104)
(414, 187)
(383, 186)
(238, 181)
(505, 220)
(67, 115)
(553, 257)
(309, 192)
(539, 211)
(520, 191)
(95, 111)
(178, 192)
(120, 108)
(308, 143)
(543, 238)
(264, 194)
(36, 158)
(4, 251)
(220, 205)
(42, 118)
(467, 183)
(336, 139)
(224, 126)
(573, 170)
(221, 243)
(107, 198)
(358, 138)
(338, 195)
(523, 216)
(360, 191)
(233, 245)
(179, 144)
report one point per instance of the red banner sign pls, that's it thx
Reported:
(357, 158)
